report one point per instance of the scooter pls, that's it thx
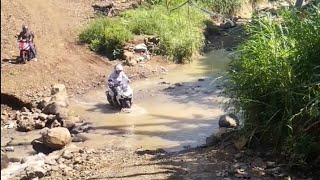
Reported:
(24, 48)
(124, 95)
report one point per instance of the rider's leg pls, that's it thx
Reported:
(33, 51)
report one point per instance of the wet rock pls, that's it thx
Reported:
(178, 84)
(57, 108)
(228, 121)
(4, 160)
(56, 138)
(39, 146)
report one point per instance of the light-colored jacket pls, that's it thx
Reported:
(118, 78)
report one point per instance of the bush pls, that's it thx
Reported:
(275, 83)
(180, 32)
(105, 36)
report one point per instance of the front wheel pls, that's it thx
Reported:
(24, 57)
(127, 103)
(110, 99)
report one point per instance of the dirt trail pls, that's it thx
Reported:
(56, 24)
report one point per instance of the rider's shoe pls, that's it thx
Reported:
(35, 59)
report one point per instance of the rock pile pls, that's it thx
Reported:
(50, 112)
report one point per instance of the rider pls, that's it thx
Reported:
(29, 36)
(117, 77)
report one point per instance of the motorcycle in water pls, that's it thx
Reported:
(124, 95)
(24, 47)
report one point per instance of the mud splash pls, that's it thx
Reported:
(175, 111)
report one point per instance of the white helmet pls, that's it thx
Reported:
(118, 67)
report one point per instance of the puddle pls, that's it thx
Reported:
(161, 117)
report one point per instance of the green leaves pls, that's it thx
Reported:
(274, 80)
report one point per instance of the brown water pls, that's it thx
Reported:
(170, 119)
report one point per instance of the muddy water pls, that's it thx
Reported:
(171, 119)
(164, 114)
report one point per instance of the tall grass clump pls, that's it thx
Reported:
(275, 84)
(105, 35)
(180, 31)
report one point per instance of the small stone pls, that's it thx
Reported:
(270, 164)
(67, 154)
(24, 109)
(43, 116)
(201, 79)
(9, 148)
(258, 162)
(238, 155)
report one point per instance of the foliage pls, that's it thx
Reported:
(105, 35)
(180, 31)
(275, 82)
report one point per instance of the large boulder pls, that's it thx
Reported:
(59, 93)
(58, 102)
(4, 160)
(56, 138)
(228, 121)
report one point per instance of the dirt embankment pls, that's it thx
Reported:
(56, 24)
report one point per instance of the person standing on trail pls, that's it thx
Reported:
(29, 36)
(118, 77)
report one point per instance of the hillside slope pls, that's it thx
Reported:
(56, 24)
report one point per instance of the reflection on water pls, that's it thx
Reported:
(183, 116)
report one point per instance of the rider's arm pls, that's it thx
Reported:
(124, 76)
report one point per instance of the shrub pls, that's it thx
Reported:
(275, 83)
(180, 31)
(105, 35)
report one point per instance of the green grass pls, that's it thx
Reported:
(275, 83)
(106, 36)
(180, 32)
